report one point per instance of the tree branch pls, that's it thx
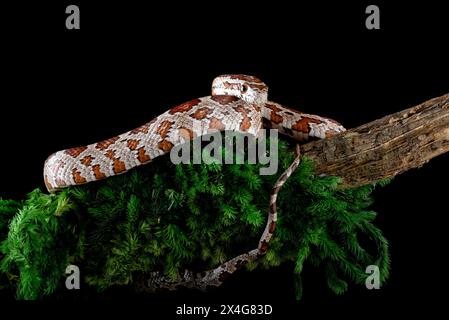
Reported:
(385, 147)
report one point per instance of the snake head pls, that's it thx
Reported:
(247, 88)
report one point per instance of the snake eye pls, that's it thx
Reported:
(244, 88)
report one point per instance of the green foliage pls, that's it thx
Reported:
(38, 243)
(166, 218)
(8, 209)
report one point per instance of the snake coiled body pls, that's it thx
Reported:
(238, 103)
(139, 146)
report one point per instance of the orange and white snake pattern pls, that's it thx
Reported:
(238, 103)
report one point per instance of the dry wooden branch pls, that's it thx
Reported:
(385, 147)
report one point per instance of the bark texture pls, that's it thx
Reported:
(385, 147)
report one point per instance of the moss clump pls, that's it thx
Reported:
(165, 217)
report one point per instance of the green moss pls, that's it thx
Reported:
(163, 217)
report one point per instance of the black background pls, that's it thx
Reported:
(129, 62)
